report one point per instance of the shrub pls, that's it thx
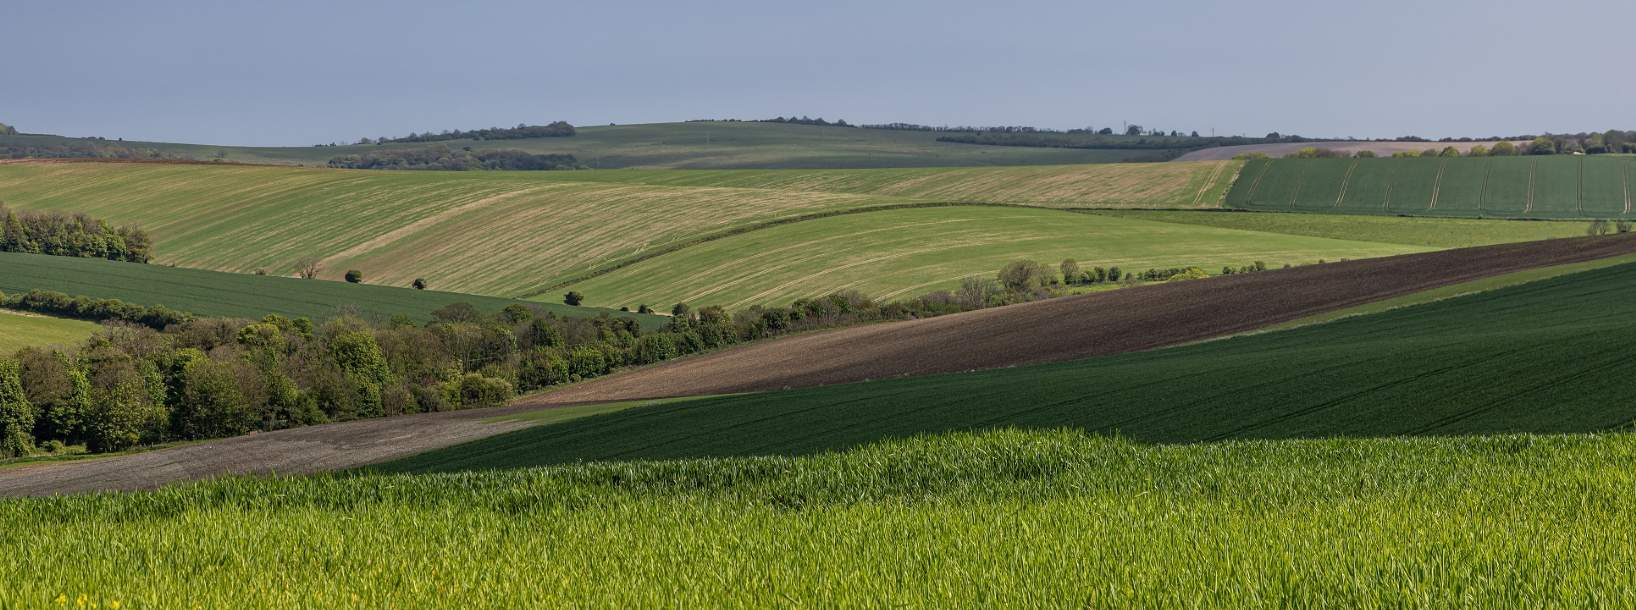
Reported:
(573, 298)
(1070, 271)
(355, 276)
(1025, 276)
(420, 284)
(476, 391)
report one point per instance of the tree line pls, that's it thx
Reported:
(441, 157)
(554, 129)
(79, 149)
(60, 234)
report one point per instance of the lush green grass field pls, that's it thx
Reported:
(1425, 232)
(695, 145)
(1502, 187)
(211, 293)
(1002, 519)
(19, 330)
(908, 252)
(1547, 356)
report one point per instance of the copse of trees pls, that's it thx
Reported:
(97, 310)
(79, 235)
(555, 129)
(441, 157)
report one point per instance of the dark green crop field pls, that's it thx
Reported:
(1548, 356)
(1498, 187)
(213, 293)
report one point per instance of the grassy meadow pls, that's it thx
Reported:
(1544, 356)
(211, 293)
(997, 519)
(907, 252)
(1501, 187)
(19, 330)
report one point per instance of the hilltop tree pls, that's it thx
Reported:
(309, 267)
(573, 298)
(355, 276)
(420, 284)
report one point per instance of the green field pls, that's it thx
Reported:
(1424, 232)
(1547, 356)
(516, 233)
(904, 253)
(211, 293)
(1003, 519)
(1499, 187)
(19, 330)
(695, 145)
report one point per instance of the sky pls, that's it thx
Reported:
(298, 72)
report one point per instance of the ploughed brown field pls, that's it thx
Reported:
(1125, 320)
(1132, 319)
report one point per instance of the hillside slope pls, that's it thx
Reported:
(1543, 357)
(1067, 328)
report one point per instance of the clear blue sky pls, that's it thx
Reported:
(299, 72)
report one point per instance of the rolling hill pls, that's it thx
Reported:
(1545, 356)
(1499, 187)
(689, 145)
(529, 232)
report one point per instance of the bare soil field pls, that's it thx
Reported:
(1119, 321)
(1384, 149)
(1132, 319)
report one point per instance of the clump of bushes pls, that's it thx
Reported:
(97, 310)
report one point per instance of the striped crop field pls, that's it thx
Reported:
(1138, 185)
(1499, 187)
(903, 253)
(527, 233)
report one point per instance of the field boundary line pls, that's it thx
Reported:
(1437, 184)
(1346, 181)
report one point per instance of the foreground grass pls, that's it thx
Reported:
(905, 253)
(19, 330)
(1001, 519)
